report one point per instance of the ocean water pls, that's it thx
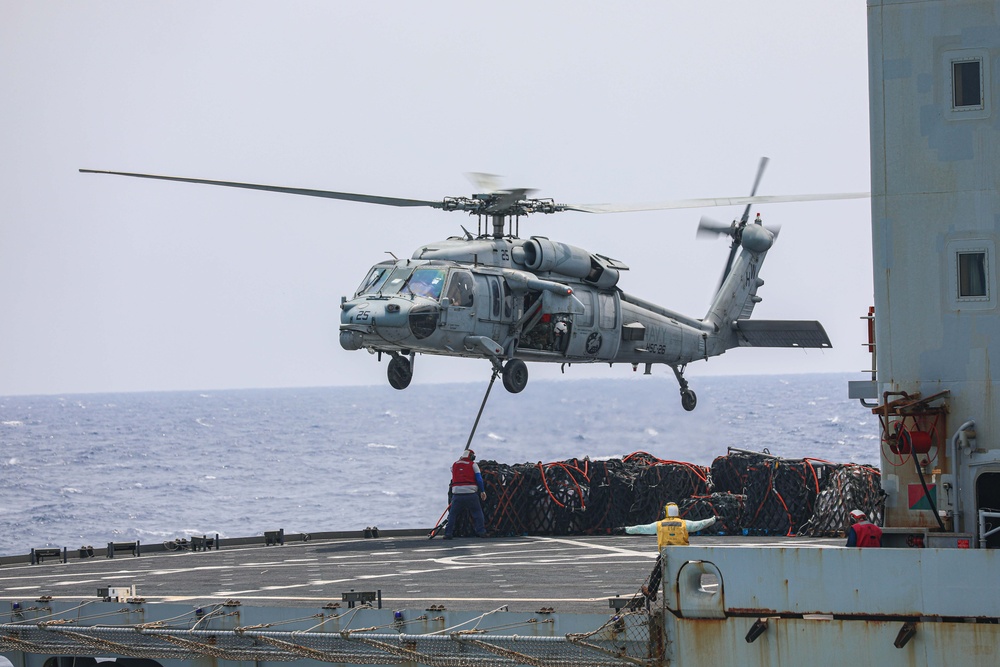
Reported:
(89, 469)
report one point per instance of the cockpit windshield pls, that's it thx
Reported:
(374, 280)
(425, 281)
(396, 280)
(388, 279)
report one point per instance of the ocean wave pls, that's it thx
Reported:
(381, 445)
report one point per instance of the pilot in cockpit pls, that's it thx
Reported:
(425, 282)
(460, 289)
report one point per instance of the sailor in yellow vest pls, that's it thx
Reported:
(687, 526)
(672, 530)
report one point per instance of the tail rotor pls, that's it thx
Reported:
(734, 230)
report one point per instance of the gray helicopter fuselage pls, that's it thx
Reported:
(507, 298)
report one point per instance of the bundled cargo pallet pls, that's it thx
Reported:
(749, 493)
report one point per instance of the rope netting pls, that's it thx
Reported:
(749, 493)
(850, 487)
(727, 508)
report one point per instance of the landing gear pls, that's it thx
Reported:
(688, 398)
(515, 376)
(400, 372)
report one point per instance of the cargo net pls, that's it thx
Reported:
(749, 493)
(850, 487)
(622, 640)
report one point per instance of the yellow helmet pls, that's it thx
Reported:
(672, 510)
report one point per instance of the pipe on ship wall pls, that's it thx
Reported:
(953, 457)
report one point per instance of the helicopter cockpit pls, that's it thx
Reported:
(388, 279)
(424, 281)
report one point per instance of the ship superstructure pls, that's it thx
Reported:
(935, 155)
(930, 597)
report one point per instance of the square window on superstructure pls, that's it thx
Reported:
(971, 280)
(967, 84)
(972, 275)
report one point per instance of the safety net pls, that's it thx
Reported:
(626, 638)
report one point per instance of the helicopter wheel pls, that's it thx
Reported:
(688, 400)
(515, 376)
(399, 372)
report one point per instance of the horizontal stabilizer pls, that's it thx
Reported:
(781, 333)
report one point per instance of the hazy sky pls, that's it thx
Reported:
(116, 284)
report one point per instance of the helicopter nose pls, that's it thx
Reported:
(368, 314)
(396, 319)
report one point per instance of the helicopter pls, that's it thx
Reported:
(494, 295)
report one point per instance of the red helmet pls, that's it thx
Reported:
(468, 454)
(858, 515)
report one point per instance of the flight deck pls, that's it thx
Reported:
(566, 574)
(396, 598)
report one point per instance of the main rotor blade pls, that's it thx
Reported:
(348, 196)
(711, 202)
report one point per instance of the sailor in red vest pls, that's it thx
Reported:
(862, 532)
(466, 492)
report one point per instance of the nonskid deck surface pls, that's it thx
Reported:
(568, 574)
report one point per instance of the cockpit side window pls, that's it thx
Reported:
(426, 282)
(373, 281)
(460, 289)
